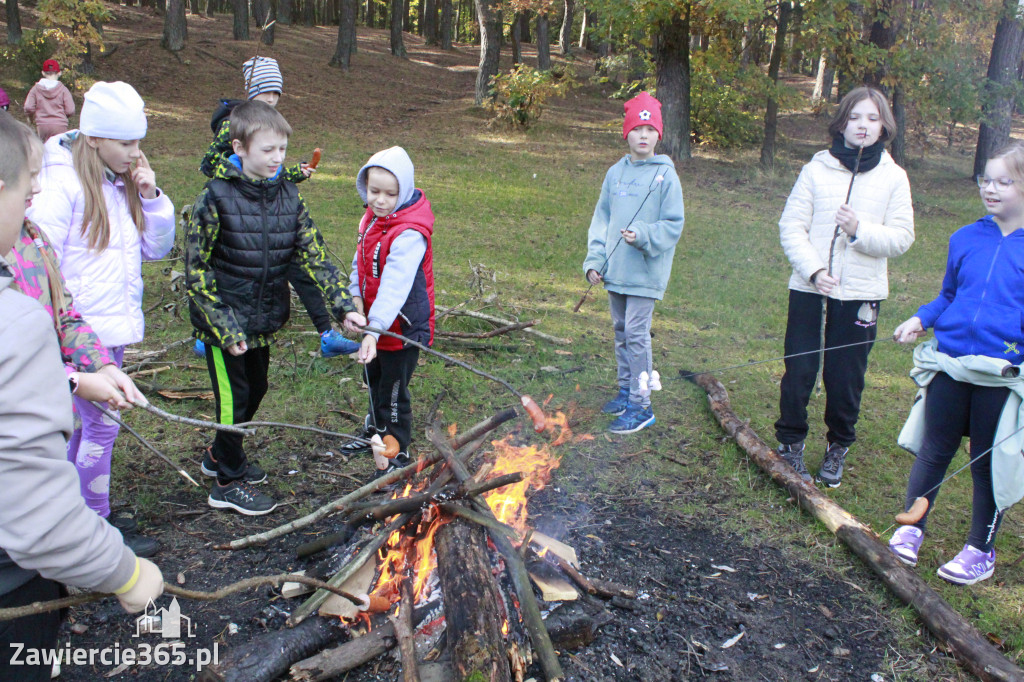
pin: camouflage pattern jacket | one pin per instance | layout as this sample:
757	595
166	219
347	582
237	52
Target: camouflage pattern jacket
240	240
220	150
79	345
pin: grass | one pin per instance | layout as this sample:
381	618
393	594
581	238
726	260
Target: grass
512	212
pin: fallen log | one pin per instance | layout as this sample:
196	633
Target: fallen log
331	663
268	656
472	604
405	634
968	645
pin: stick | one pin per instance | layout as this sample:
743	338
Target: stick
147	444
320	596
38	607
402	622
968	645
497	320
461	440
486	335
228	428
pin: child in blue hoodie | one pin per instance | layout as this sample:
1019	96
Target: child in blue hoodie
970	381
630	246
392	282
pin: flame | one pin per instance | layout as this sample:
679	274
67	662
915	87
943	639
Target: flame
504	628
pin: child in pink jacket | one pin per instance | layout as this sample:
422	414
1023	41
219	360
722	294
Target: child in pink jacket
49	102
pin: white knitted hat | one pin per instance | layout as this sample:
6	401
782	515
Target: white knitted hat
262	74
113	110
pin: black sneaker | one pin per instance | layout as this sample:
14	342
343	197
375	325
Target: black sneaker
143	546
355	447
793	453
253	474
831	472
399	461
242	497
125	524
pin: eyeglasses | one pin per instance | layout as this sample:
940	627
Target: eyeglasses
1002	184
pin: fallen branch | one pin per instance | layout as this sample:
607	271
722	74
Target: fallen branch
330	664
497	320
466	437
969	646
38	607
228	428
402	623
150	354
146	443
269	654
487	335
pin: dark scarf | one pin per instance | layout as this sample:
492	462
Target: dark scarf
848	157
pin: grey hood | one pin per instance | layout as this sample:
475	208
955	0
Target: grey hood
396	161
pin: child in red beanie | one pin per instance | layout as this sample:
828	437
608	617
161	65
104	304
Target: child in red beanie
630	246
49	102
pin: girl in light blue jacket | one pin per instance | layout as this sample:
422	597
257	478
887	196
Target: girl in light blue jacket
630	247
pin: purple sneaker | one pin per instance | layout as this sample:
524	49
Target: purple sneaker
905	543
971	565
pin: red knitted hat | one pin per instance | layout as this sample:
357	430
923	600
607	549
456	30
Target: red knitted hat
51	66
642	110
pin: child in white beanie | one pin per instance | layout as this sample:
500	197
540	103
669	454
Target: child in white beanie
103	215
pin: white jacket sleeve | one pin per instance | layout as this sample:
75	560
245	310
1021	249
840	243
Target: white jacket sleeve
53	209
795	227
894	236
158	237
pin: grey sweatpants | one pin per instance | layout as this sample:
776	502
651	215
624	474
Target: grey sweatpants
631	319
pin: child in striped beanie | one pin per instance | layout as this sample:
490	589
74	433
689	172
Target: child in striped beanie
263	80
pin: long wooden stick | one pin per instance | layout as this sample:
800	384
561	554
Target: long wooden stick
227	428
38	607
486	335
501	321
147	444
969	646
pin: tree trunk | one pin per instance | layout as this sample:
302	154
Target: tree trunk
543	43
823	79
397	19
175	28
489	48
13	22
284	12
517	39
446	24
898	146
267	36
524	26
346	35
672	72
407	17
796	48
565	35
998	89
430	34
472	606
370	14
771	113
588	21
240	26
260	12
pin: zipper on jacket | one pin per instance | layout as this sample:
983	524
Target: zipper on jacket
984	292
266	253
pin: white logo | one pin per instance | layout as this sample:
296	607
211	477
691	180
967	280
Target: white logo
166	622
644	115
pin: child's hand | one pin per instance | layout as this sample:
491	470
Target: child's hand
99	389
237	349
144	177
628	236
306	169
594	277
367	349
357	301
124	383
909	331
823	282
354	322
846	219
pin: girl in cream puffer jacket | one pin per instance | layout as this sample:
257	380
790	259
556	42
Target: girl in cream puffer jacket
839	251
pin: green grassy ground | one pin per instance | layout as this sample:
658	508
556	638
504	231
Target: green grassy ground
513	209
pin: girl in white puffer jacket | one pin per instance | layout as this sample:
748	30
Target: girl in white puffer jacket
839	249
103	214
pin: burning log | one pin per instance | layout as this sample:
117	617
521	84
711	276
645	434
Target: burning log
969	646
402	623
472	604
267	656
331	663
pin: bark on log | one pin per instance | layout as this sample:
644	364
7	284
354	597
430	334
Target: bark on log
472	604
267	656
331	663
968	645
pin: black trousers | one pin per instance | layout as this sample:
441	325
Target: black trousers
389	374
846	322
239	384
954	409
33	632
310	295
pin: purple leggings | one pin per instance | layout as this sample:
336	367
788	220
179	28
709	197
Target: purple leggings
90	449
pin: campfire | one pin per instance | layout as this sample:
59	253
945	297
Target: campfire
446	567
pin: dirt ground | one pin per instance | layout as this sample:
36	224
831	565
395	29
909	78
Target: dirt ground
699	588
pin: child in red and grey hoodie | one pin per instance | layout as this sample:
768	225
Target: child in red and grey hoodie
49	102
392	283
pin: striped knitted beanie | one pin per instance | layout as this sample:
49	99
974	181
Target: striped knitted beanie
262	74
